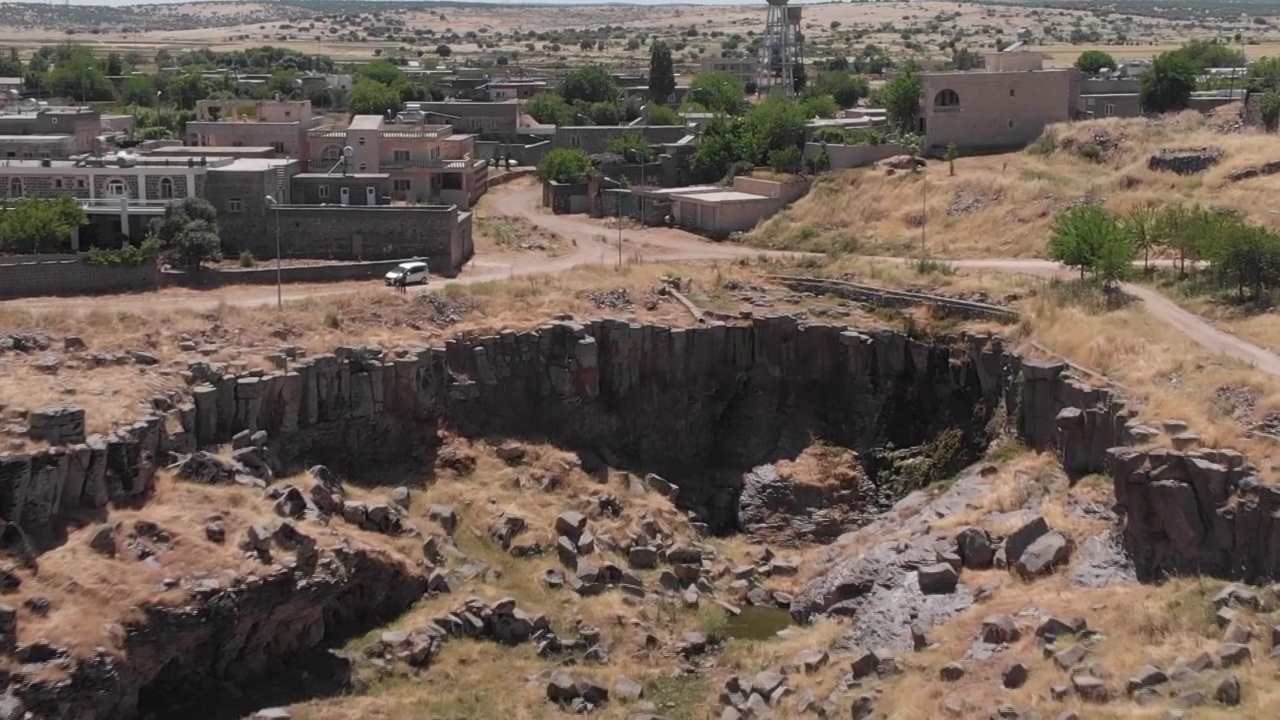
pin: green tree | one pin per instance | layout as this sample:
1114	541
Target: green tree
78	75
717	92
383	71
370	97
663	115
550	109
845	88
37	225
1082	236
444	50
632	147
1168	83
776	123
785	160
563	166
1269	108
188	231
604	113
10	63
1092	62
952	153
187	89
1211	54
590	84
718	149
900	97
139	90
820	106
662	75
1142	229
115	64
1264	74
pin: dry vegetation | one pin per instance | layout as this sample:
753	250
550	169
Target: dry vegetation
1004	205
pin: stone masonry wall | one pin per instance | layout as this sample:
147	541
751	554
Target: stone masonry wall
680	401
72	277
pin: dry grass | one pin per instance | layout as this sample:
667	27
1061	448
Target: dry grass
1004	205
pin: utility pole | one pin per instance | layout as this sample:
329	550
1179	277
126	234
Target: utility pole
618	214
924	211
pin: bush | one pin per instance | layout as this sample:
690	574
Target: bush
563	166
247	260
128	256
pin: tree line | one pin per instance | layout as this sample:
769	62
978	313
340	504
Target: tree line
1224	248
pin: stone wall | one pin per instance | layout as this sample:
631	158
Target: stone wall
265	274
843	157
36	277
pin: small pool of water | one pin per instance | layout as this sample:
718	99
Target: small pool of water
758	623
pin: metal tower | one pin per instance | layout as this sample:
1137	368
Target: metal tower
781	51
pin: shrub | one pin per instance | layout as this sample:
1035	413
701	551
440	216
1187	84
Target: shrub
247	260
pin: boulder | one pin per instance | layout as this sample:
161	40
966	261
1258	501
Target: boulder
997	629
445	516
975	548
561	688
1228	692
951	672
938	579
571	524
1014	676
510	451
1021	539
1090	688
1043	555
627	690
103	540
1231	654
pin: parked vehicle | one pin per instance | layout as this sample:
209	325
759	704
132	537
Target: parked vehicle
415	273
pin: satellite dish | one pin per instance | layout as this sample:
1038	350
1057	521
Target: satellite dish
29	104
348	152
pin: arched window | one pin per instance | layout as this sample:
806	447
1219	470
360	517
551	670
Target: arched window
166	188
116	188
15	187
946	98
331	154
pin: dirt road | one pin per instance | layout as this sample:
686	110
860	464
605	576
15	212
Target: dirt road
597	244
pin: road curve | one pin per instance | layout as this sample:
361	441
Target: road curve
595	244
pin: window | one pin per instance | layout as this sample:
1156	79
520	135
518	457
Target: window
1110	109
363	167
1010	123
15	187
401	185
288	113
80	183
1012	93
166	188
946	98
237	143
400	156
116	188
575	141
57	183
360	140
278	147
235	205
331	154
323	192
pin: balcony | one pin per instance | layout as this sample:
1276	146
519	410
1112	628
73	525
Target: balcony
946	109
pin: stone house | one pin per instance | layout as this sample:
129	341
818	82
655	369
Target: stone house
425	163
279	124
488	120
997	109
746	69
594	139
37	147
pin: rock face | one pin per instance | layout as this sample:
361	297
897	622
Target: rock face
680	400
1186	161
229	635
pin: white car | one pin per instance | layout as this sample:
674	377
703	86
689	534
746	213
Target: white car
414	273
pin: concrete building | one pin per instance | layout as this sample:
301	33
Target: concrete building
996	109
718	211
745	69
504	90
121	194
37	147
280	124
10	84
488	120
82	123
426	163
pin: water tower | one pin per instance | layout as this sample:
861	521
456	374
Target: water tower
781	52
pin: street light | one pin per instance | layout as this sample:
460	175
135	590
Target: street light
279	285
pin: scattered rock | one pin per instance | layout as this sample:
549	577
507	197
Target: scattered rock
1043	555
1231	654
1090	688
1014	676
975	548
103	540
1228	692
951	672
511	451
997	629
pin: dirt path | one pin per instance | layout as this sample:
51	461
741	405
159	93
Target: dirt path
597	244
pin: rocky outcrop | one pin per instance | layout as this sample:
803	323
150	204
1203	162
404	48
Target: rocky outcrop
225	635
1186	161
